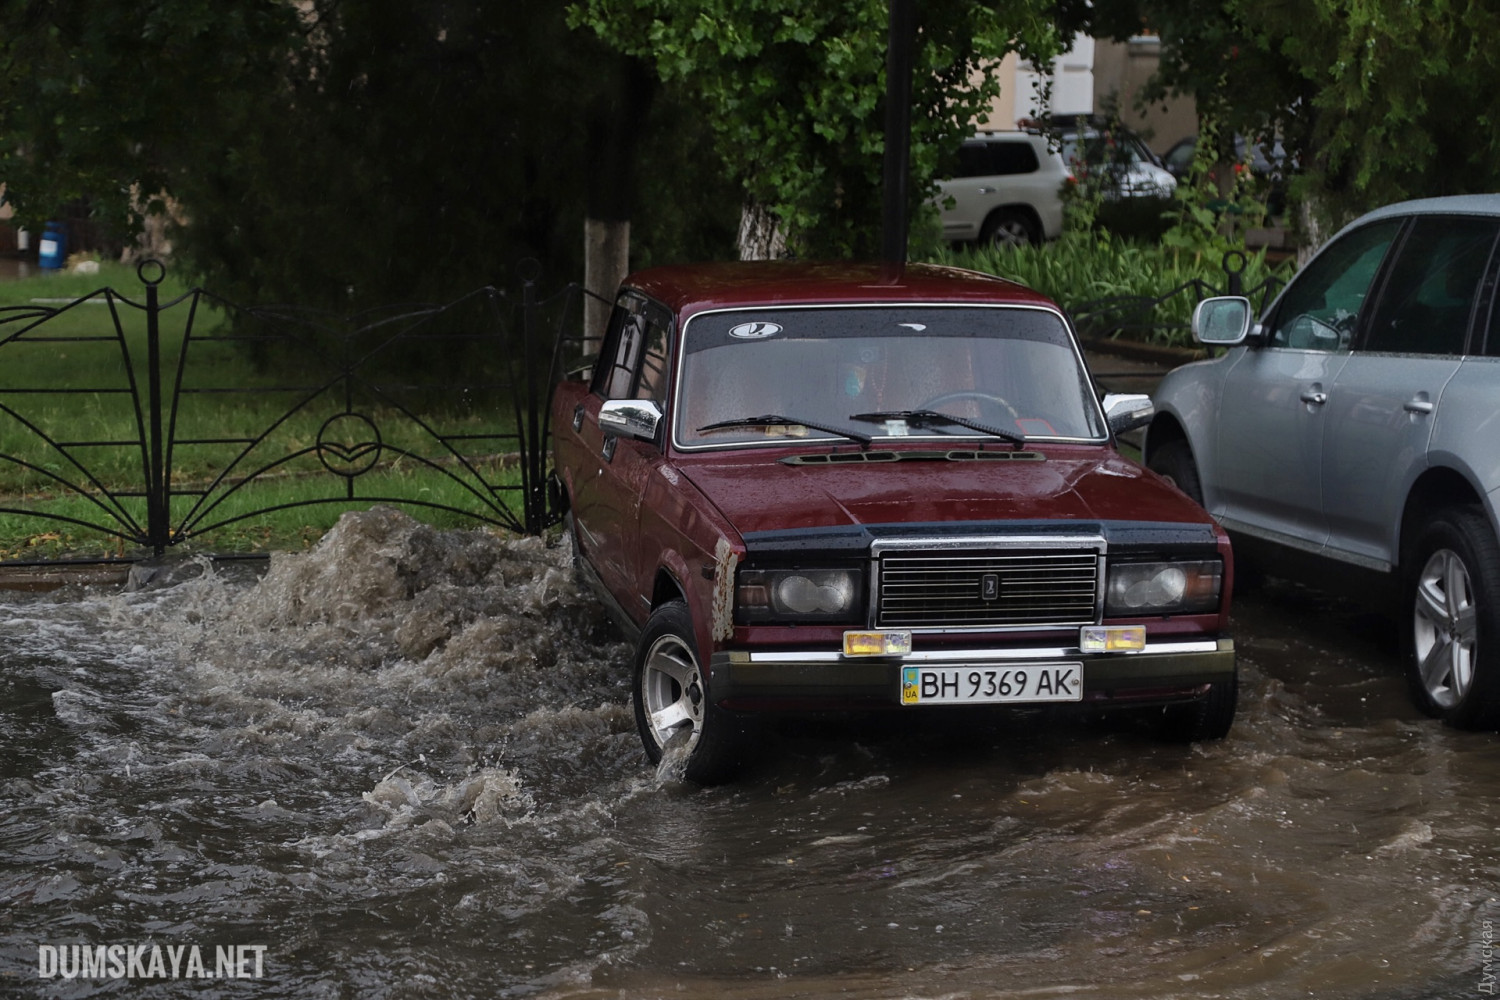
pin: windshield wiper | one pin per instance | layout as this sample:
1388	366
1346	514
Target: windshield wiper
925	418
777	420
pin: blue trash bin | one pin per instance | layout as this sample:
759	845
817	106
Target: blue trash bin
52	250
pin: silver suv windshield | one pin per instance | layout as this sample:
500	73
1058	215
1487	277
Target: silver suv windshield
1008	368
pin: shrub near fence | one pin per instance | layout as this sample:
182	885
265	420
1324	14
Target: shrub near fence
1116	289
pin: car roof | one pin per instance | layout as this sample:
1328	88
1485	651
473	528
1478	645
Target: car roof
1461	204
692	288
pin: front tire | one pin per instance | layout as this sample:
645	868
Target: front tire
1174	461
672	709
1451	596
1010	227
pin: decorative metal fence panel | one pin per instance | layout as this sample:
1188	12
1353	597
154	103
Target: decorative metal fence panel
1141	316
155	422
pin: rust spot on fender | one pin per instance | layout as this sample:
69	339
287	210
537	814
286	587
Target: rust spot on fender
725	561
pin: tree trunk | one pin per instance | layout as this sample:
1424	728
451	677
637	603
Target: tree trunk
1312	230
760	236
614	121
606	261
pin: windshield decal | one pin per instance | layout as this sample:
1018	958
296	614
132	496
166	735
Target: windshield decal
755	331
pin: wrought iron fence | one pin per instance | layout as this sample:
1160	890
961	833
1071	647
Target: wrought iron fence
187	436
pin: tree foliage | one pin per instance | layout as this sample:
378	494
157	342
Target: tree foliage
100	99
794	93
1379	100
336	154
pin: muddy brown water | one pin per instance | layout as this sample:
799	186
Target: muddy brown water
403	765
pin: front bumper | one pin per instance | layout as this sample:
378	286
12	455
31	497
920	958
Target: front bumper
750	680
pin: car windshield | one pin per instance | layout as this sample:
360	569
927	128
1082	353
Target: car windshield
1007	368
1099	148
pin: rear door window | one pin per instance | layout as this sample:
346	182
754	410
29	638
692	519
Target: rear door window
1429	298
999	158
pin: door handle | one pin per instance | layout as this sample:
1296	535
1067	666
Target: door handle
578	418
986	190
608	450
1419	405
1315	397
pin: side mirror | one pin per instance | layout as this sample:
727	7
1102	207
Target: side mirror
1223	321
583	371
1127	411
632	418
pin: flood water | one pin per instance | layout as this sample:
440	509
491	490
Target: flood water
404	765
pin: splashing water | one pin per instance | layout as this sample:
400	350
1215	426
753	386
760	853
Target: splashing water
405	763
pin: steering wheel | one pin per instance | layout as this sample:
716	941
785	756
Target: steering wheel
976	394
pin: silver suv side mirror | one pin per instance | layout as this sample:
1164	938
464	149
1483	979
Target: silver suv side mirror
1223	321
632	418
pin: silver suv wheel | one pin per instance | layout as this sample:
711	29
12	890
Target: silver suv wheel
1451	588
1443	628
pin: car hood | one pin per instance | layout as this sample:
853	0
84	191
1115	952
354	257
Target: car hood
1095	485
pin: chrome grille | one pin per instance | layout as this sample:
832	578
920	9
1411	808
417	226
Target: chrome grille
988	589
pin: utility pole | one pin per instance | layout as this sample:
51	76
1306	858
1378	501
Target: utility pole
898	62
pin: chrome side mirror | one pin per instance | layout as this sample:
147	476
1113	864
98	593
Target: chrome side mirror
632	418
1223	321
1127	411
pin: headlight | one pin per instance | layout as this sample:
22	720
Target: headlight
785	595
1163	588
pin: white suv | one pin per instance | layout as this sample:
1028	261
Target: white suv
1008	190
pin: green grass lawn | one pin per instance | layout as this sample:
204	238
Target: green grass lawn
72	422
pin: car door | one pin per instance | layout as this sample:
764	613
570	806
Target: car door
607	497
1384	402
1269	454
1466	428
994	172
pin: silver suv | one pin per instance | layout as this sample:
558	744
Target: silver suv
1356	428
1008	190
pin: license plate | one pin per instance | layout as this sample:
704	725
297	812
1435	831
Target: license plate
991	685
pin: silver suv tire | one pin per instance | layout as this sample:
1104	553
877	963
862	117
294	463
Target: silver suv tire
1451	608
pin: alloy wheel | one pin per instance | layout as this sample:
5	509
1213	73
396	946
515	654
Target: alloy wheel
672	691
1011	233
1444	628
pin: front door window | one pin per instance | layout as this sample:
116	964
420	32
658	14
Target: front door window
1321	309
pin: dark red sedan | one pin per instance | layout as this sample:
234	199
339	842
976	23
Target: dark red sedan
804	486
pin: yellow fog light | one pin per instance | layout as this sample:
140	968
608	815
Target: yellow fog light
877	643
1112	638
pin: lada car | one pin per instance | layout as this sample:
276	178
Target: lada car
804	487
1346	438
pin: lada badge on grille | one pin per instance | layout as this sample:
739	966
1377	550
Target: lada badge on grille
989	587
897	643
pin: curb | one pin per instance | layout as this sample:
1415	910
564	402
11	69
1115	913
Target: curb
136	574
42	578
1136	351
